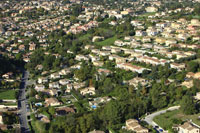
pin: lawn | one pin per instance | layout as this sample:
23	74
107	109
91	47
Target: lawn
167	120
8	94
85	37
107	42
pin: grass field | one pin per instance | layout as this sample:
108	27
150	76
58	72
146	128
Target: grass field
8	94
85	37
107	42
167	120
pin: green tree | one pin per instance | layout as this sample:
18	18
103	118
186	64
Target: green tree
51	110
188	105
192	66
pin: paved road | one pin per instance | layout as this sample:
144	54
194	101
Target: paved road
149	118
22	104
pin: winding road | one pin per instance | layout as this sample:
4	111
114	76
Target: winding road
22	104
149	118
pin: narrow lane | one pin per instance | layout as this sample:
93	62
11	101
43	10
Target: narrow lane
22	104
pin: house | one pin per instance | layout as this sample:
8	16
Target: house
3	127
190	75
115	50
39	67
197	96
55	76
197	75
118	43
187	127
93	57
195	22
104	71
52	92
7	75
170	41
42	80
88	90
45	119
104	53
96	131
136	81
177	66
151	9
128	66
89	47
64	71
120	60
32	46
64	81
64	110
1	118
54	85
81	57
134	125
39	87
52	102
152	32
98	63
107	48
97	38
78	85
160	40
188	83
99	100
140	33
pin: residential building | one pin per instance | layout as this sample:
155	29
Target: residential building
187	127
134	125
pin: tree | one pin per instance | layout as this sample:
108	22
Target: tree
188	105
40	126
51	110
192	66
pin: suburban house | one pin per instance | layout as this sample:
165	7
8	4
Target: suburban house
52	102
134	125
39	87
136	81
151	9
88	90
96	131
64	110
54	85
177	66
128	66
64	71
188	83
54	76
197	96
1	118
98	63
42	80
52	92
187	127
99	100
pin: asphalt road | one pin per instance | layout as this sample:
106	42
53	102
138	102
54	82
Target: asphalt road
149	118
22	104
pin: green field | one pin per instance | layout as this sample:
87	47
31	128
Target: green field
8	94
107	42
170	118
85	37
